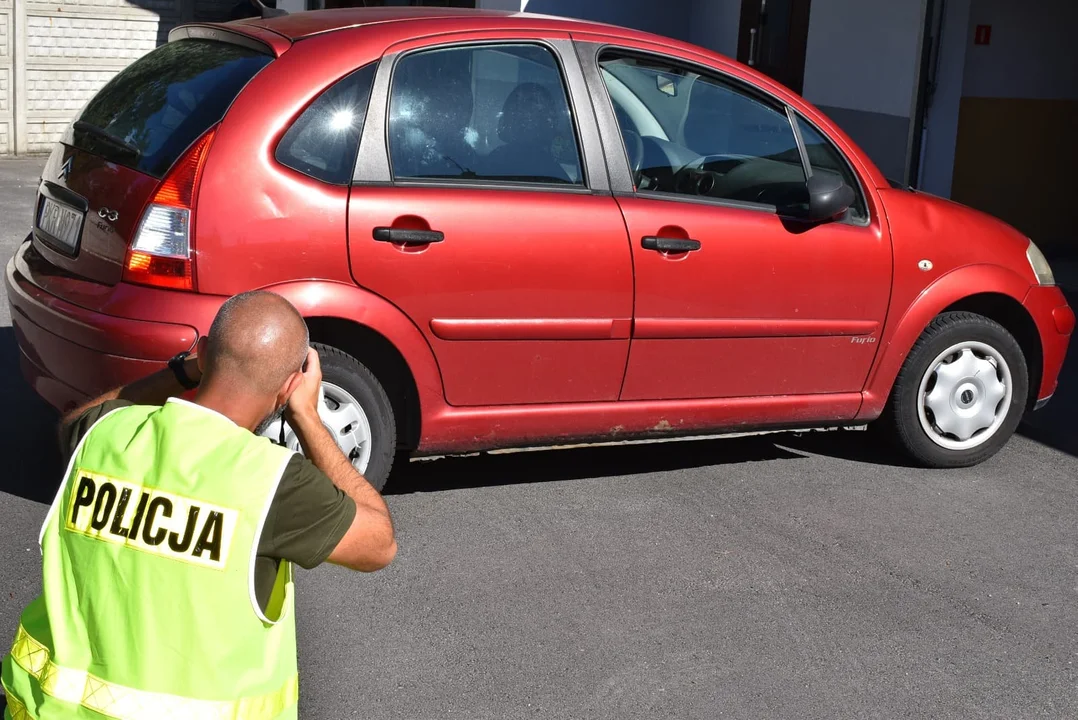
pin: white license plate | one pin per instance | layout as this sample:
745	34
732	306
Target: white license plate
62	223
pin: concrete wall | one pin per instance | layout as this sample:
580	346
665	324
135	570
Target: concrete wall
54	57
7	80
860	69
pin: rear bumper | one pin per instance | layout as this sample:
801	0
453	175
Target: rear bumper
1055	324
69	353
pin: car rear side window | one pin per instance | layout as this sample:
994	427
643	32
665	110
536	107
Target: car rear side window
324	140
485	113
152	111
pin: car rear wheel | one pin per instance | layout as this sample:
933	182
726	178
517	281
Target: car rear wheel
356	411
960	394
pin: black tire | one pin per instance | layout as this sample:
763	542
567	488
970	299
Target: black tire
346	372
901	418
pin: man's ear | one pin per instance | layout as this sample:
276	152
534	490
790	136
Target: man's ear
289	387
200	353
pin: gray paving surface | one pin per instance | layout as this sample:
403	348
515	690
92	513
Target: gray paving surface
795	577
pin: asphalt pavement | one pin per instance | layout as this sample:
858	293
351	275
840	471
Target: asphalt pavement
782	576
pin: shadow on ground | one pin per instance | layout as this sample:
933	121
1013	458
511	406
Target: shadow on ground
487	470
1057	424
494	469
27	432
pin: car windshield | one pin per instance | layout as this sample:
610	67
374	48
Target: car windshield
153	110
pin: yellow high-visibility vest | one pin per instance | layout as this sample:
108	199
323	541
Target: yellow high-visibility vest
148	607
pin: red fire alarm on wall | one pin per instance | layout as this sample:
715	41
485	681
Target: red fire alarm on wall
982	35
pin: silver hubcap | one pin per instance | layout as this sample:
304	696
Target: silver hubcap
965	396
343	416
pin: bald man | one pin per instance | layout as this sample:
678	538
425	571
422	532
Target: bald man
167	554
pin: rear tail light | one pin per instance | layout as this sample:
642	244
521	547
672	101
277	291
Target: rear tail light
160	254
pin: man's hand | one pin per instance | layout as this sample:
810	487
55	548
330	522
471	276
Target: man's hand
369	544
303	402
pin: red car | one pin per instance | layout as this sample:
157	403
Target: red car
510	230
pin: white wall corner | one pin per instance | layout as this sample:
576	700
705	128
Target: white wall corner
941	121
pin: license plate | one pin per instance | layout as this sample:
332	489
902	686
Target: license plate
61	223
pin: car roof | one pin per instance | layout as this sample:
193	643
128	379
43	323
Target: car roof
301	25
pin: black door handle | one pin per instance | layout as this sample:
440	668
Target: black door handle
670	245
407	237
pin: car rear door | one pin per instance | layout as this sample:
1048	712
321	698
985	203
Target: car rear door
733	300
481	208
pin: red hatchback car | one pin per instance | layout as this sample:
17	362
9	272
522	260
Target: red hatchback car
511	230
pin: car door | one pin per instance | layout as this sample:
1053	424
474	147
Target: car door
733	299
481	208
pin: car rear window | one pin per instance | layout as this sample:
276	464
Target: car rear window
148	114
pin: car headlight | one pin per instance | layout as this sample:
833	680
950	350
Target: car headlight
1040	265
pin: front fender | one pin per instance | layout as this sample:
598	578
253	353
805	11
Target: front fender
320	298
907	320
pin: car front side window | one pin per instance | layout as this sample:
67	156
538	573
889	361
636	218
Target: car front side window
487	113
720	142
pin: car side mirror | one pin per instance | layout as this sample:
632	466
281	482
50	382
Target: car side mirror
828	196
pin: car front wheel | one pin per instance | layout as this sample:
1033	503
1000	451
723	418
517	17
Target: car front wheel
961	393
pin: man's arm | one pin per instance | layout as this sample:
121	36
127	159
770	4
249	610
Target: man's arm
369	544
153	389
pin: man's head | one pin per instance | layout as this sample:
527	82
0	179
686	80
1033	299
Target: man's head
252	357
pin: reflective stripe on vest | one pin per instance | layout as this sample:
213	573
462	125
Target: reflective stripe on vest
15	707
124	703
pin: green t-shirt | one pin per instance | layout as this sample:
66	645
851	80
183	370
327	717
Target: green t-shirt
307	517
